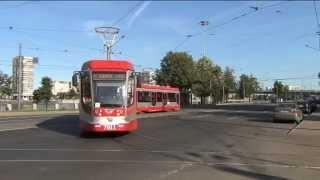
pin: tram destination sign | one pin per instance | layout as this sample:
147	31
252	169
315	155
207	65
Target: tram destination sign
109	76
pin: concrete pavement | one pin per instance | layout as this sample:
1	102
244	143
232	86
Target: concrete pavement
187	145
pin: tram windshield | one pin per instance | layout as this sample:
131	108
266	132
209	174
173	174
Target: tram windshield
109	90
109	93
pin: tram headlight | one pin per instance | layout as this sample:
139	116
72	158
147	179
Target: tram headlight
98	112
119	112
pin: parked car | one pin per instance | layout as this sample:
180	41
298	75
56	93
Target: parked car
312	103
317	99
304	106
288	112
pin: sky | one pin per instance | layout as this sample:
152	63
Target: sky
269	43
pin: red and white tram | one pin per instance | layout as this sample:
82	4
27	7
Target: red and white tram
110	99
107	96
155	98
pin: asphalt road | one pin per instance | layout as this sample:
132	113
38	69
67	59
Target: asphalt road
193	144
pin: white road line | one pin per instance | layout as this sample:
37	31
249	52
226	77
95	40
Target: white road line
158	162
100	150
263	165
18	128
21	120
233	118
145	151
15	117
175	171
200	116
232	111
20	117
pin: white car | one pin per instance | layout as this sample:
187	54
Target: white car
287	112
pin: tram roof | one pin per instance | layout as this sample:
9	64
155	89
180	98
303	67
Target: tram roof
158	87
103	64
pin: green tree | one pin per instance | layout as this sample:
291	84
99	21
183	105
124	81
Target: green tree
176	69
5	83
229	81
61	95
44	93
280	89
204	75
36	96
247	86
216	84
207	80
72	94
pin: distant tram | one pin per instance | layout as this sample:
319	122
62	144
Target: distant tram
155	98
110	97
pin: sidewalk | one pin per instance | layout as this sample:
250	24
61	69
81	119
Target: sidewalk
35	113
310	126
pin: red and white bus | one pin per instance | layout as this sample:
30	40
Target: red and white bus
107	96
155	98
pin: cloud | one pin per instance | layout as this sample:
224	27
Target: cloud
137	13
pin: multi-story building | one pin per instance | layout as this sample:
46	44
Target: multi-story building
147	76
295	88
61	87
25	65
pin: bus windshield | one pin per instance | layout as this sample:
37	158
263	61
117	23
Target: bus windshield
109	93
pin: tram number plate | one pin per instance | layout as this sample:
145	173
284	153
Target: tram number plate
111	126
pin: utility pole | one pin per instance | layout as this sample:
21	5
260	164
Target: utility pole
277	92
210	100
244	89
19	76
108	51
204	23
223	90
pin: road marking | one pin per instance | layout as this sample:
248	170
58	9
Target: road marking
233	118
21	120
175	171
263	165
232	111
15	117
18	128
101	150
199	163
200	116
145	151
20	117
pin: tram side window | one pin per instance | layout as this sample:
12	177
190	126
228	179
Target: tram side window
159	97
172	97
86	92
165	98
153	98
144	96
130	91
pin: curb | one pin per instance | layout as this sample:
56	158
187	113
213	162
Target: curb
19	114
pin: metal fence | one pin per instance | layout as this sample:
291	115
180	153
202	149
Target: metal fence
11	105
